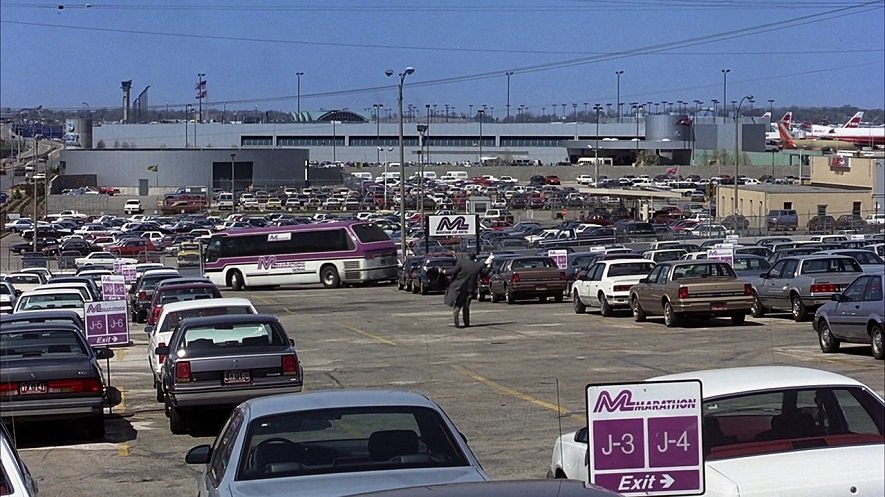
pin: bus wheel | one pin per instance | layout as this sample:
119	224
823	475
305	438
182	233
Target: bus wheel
236	281
329	276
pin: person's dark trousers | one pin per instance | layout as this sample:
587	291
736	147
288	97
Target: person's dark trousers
465	311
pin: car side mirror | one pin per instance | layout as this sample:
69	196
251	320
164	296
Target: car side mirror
149	329
162	350
764	276
292	342
581	435
198	455
643	280
103	353
837	297
18	292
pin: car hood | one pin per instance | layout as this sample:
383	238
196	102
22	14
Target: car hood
810	473
341	484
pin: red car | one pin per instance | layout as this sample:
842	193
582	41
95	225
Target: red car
178	293
132	247
108	190
552	180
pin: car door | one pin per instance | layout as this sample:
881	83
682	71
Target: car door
593	281
770	290
646	289
873	303
848	319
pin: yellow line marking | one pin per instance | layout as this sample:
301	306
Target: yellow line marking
119	354
514	393
288	311
370	335
263	300
123	449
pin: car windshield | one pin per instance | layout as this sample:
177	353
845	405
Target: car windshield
345	440
230	336
173	318
631	269
537	263
183	294
703	271
775	421
840	265
26	279
440	263
51	301
64	343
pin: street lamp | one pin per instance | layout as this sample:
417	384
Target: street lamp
378	108
597	108
618	73
737	113
422	130
771	119
481	113
298	75
34	156
402	159
187	116
509	73
232	173
725	93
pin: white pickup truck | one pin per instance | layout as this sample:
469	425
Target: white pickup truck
606	284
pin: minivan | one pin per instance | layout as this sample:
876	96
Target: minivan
783	219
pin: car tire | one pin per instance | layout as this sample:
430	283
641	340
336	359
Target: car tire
638	314
828	342
542	299
580	308
738	319
161	397
494	297
423	288
671	317
329	277
800	313
604	308
95	427
558	298
414	288
876	340
757	310
236	281
509	297
482	297
399	285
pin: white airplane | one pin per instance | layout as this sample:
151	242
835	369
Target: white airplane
774	135
821	131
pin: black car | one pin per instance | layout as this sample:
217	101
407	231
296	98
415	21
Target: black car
142	292
406	272
42	243
49	373
538	180
47	316
70	245
429	276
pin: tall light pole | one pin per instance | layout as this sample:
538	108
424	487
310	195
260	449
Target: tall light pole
298	105
232	174
597	108
771	119
402	159
481	113
508	73
422	130
201	91
187	115
737	156
725	94
378	128
618	107
35	156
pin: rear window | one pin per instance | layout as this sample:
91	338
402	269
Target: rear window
841	265
26	279
39	343
173	318
540	262
51	301
703	271
440	263
370	232
749	264
231	336
151	282
632	269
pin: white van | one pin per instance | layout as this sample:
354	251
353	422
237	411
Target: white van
455	175
364	175
225	201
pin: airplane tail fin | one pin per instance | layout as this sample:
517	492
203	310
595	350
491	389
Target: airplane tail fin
854	122
787	140
767	115
788	120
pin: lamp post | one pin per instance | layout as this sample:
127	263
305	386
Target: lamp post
402	159
771	119
737	161
508	74
596	108
378	108
298	105
422	130
35	156
481	113
334	142
200	93
618	107
187	116
232	173
725	94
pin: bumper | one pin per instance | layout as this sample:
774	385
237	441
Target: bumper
47	409
725	306
618	299
539	288
226	397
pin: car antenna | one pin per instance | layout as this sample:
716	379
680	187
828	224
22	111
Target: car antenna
559	419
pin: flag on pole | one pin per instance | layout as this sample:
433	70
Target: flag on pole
154	168
201	89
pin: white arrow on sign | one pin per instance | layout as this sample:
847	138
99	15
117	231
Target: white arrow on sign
667	480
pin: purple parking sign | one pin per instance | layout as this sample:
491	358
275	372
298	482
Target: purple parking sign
107	323
645	438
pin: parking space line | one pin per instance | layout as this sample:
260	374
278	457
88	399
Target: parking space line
123	449
512	392
370	335
263	300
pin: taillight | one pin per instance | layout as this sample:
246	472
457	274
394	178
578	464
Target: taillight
76	385
8	388
562	276
485	280
683	292
155	314
748	289
183	371
825	288
290	364
142	295
622	288
515	278
161	357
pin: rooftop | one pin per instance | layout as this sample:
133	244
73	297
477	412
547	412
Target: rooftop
799	189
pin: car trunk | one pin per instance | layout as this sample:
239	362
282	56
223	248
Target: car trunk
37	377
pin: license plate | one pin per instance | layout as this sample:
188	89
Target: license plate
540	287
718	307
32	388
233	377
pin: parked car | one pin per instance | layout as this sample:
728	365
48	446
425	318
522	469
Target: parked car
170	317
607	284
49	373
782	219
821	224
293	445
406	273
66	298
664	255
16	479
736	222
856	315
137	248
8	297
48	316
703	288
178	290
748	267
42	243
499	488
851	222
429	276
492	266
868	260
133	206
802	284
23	282
101	258
772	431
80	246
19	225
528	277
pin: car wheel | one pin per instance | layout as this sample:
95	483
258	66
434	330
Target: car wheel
542	299
236	281
738	319
329	277
95	427
638	314
160	396
414	288
482	297
828	342
557	298
800	313
876	340
758	310
509	297
494	297
177	421
399	285
671	317
580	308
604	308
423	288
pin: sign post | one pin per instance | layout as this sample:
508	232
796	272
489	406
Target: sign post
646	438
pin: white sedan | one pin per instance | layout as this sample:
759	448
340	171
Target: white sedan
774	431
606	284
101	258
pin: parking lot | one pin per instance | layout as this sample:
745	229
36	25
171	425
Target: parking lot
503	381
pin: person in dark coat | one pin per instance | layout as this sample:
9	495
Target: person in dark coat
462	288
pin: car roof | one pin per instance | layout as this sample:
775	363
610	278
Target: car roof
42	315
230	319
730	381
331	399
46	290
187	305
25	326
626	260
